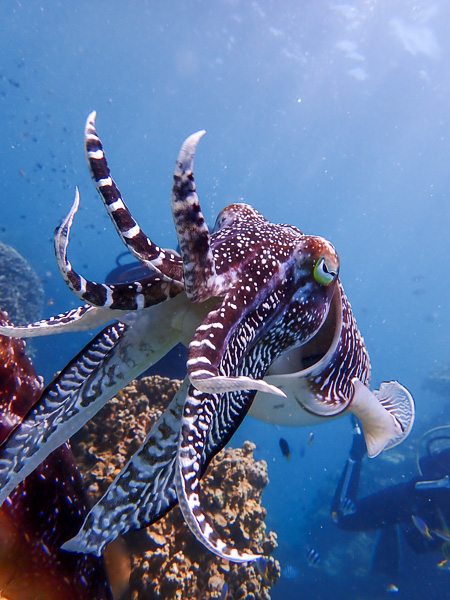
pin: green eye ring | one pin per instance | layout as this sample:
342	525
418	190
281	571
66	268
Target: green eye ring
322	273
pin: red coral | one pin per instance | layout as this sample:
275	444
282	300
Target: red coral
19	385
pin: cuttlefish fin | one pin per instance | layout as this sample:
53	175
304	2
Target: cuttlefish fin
386	415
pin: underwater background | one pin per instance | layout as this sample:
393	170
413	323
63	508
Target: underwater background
330	116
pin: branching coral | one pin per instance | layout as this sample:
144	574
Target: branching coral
167	561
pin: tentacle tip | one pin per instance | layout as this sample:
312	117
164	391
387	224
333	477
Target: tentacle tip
78	545
190	144
76	202
198	134
91	118
276	391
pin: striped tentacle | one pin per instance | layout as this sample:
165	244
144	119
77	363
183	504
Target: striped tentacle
166	263
145	488
82	318
121	296
210	419
142	492
63	408
198	414
232	329
192	230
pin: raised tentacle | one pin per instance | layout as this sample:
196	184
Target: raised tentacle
121	296
192	230
166	263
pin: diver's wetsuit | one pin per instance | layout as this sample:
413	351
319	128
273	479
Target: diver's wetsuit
426	497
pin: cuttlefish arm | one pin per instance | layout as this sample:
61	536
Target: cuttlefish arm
110	361
192	231
127	297
142	492
82	318
203	412
166	263
58	413
145	489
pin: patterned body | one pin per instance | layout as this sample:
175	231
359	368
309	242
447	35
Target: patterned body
332	383
240	297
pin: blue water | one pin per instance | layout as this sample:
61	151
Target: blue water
330	116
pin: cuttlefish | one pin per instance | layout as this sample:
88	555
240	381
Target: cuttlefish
239	297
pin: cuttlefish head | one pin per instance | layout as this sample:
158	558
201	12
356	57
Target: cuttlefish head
316	283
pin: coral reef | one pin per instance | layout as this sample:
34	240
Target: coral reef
20	387
21	291
167	561
45	510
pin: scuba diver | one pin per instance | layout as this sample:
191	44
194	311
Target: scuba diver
420	507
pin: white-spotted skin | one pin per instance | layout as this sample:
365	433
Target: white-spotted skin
255	285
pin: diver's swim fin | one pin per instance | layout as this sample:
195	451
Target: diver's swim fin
443	483
386	556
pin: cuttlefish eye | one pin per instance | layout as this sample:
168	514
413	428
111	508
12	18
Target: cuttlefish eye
324	273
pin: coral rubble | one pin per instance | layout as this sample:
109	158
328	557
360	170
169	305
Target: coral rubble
167	561
21	291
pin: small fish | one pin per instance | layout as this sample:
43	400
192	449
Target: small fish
311	438
347	507
421	526
392	589
313	558
444	565
285	450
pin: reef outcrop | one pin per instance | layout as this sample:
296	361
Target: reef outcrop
21	291
167	562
